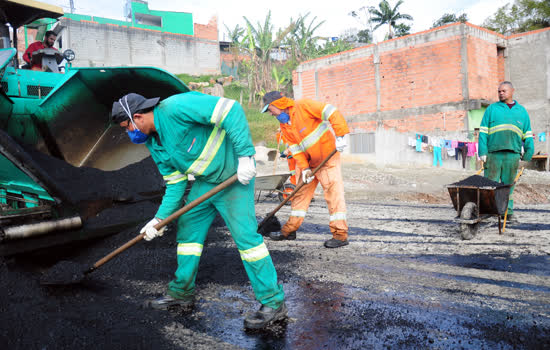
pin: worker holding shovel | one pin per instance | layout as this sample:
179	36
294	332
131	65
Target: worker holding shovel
207	137
304	124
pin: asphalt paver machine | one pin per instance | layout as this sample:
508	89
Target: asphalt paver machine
66	174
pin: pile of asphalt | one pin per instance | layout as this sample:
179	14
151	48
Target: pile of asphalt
477	181
79	184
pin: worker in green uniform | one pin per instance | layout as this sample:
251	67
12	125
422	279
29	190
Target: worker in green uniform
207	137
504	133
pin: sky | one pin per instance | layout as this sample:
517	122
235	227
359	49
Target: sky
336	15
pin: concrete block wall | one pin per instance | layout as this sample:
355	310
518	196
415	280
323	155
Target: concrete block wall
528	68
98	44
423	83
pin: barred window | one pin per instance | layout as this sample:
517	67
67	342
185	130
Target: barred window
362	143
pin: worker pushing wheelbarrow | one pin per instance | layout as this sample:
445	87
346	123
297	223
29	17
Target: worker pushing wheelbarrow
477	198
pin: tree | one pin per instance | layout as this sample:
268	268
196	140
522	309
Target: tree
521	16
450	18
364	36
235	34
402	29
384	14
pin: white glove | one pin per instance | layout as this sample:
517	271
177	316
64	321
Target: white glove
150	230
246	170
483	158
340	143
307	176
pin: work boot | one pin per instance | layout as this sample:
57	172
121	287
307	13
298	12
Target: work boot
278	236
335	243
167	301
265	316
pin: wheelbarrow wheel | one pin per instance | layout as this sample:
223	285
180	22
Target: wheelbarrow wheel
287	189
469	212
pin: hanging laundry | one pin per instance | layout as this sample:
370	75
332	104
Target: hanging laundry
542	137
424	139
419	144
437	156
454	144
451	152
448	144
471	149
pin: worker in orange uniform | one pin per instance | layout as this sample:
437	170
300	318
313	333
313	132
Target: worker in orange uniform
289	158
304	124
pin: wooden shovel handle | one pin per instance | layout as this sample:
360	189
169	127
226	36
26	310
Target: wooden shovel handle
168	220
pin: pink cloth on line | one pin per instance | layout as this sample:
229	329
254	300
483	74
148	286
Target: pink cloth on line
454	144
471	149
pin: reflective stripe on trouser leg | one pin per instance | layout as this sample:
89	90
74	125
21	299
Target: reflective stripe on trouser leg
330	177
503	167
236	206
299	205
192	230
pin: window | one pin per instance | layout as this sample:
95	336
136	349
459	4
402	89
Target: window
362	143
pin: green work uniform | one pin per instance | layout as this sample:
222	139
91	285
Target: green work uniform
502	134
204	135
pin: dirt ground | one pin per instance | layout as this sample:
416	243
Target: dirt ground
407	279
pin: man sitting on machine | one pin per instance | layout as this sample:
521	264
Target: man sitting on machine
35	52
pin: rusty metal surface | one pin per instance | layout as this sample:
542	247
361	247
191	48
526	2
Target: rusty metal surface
492	200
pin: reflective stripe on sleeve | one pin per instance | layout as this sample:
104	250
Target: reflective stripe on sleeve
298	213
254	254
528	134
174	178
314	136
338	216
221	111
208	153
190	249
484	129
327	111
296	148
293	172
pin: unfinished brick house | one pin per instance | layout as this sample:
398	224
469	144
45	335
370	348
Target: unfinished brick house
436	83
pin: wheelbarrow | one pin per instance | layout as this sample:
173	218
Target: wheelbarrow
476	199
273	186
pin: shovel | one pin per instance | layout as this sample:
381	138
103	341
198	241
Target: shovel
67	272
269	223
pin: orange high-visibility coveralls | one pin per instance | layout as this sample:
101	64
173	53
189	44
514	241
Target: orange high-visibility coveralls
311	141
289	158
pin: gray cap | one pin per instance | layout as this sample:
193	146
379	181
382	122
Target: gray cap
130	104
269	98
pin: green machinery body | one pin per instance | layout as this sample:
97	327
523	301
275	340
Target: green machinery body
46	118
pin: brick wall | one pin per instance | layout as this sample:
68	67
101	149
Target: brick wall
483	69
207	31
351	86
423	75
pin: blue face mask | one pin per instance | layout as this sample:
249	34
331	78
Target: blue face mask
136	136
283	118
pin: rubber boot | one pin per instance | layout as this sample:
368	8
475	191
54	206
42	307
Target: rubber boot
279	236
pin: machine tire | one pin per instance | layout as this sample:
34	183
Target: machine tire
287	189
469	212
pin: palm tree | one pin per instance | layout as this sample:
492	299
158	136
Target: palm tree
386	15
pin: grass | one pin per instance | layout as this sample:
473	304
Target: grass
263	126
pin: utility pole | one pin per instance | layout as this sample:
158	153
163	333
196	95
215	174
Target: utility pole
72	6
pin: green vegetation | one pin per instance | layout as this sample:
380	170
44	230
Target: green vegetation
521	16
450	18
